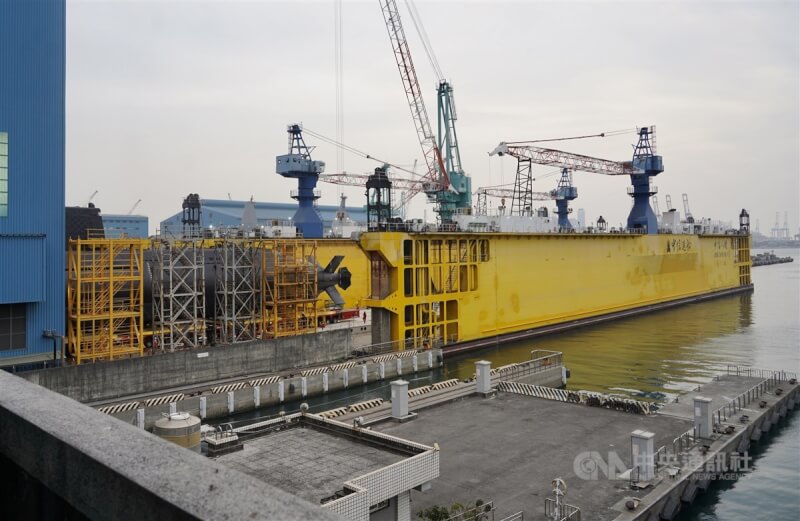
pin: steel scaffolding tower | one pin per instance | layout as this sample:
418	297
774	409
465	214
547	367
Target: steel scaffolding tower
235	295
105	298
522	201
288	287
179	294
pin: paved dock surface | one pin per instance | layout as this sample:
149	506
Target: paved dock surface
507	449
721	391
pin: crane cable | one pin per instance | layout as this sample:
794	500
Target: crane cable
423	36
357	152
339	80
601	134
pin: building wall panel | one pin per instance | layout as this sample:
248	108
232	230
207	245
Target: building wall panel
32	67
22	268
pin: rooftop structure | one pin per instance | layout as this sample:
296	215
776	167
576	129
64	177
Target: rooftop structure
349	470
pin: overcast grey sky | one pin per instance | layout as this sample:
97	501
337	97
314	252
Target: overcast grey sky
170	97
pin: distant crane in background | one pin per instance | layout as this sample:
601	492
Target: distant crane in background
134	207
445	182
644	165
502	192
654	202
91	197
686	210
669	203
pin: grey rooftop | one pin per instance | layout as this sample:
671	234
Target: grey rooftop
309	463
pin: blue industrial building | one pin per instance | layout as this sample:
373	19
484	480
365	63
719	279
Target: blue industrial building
119	225
218	213
32	278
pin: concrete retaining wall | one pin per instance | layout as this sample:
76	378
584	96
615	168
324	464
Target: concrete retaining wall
289	389
150	374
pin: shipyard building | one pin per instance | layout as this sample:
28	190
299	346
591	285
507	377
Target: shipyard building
32	61
223	213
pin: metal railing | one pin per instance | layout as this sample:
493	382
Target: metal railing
516	516
771	381
482	512
755	372
561	511
540	361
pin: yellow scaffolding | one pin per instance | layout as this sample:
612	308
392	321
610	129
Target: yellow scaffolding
105	298
288	287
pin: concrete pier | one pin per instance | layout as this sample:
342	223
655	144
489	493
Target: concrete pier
518	443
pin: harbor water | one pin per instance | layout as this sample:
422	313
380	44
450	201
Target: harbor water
659	356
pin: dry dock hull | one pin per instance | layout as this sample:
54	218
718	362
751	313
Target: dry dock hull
466	288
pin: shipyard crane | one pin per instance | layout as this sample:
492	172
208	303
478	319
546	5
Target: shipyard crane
445	183
134	207
91	197
503	193
644	165
689	217
349	179
562	195
669	203
654	202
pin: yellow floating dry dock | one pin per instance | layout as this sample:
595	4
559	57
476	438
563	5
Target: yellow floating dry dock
424	288
461	287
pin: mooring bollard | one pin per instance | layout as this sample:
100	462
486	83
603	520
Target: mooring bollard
483	381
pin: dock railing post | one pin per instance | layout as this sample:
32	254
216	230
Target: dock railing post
483	381
702	416
643	454
399	399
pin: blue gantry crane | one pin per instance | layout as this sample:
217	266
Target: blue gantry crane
297	164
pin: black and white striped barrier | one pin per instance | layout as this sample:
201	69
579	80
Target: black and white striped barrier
548	393
117	408
333	413
315	371
343	365
591	399
363	406
258	382
419	391
229	387
161	400
445	384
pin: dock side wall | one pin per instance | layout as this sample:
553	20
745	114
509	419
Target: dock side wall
150	374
